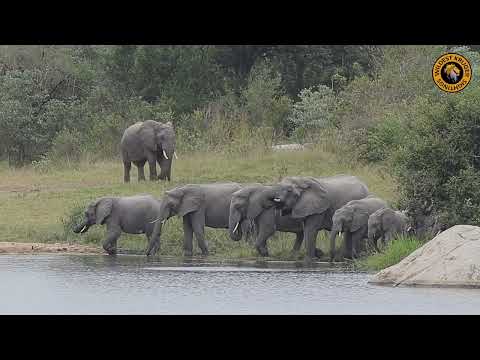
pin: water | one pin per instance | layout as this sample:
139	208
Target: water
79	284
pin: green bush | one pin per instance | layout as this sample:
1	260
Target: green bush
382	140
67	146
314	111
437	164
264	101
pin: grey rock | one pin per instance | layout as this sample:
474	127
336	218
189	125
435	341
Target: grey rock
451	259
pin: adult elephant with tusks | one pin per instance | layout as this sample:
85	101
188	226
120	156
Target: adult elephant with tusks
254	203
313	201
199	205
151	142
129	214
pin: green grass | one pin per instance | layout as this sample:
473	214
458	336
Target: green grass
41	206
393	253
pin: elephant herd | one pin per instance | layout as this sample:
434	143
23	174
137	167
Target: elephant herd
302	205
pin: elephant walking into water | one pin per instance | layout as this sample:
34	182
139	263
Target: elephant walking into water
352	220
151	142
313	201
255	203
131	214
199	206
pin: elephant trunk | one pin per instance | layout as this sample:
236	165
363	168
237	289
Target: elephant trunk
81	228
234	224
372	239
333	235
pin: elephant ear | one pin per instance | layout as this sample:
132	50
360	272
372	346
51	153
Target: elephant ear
191	199
376	219
146	132
313	199
359	219
103	210
257	203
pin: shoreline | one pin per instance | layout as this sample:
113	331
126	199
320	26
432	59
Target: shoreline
11	247
29	248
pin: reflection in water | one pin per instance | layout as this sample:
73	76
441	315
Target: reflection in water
71	284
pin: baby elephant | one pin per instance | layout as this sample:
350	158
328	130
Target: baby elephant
132	215
387	223
352	219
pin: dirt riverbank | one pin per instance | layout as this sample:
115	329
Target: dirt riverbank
38	248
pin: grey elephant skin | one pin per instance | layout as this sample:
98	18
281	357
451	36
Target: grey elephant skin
386	224
199	205
151	142
352	220
254	203
313	201
131	215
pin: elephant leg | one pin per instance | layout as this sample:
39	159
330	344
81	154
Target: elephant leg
187	236
127	165
312	226
355	244
110	243
141	173
359	243
375	242
153	238
165	168
298	242
198	225
265	231
347	245
152	164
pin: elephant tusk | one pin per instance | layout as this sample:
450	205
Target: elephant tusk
175	154
83	229
163	221
236	226
276	200
165	154
340	233
154	221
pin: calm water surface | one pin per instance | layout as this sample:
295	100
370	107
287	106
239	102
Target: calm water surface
79	284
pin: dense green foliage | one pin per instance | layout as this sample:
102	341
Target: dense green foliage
83	93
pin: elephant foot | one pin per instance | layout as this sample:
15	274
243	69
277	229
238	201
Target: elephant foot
111	251
152	251
205	253
263	252
308	260
318	253
188	253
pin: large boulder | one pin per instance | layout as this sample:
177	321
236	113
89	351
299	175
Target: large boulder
451	259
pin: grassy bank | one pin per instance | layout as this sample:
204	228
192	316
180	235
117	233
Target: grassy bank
393	253
40	206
